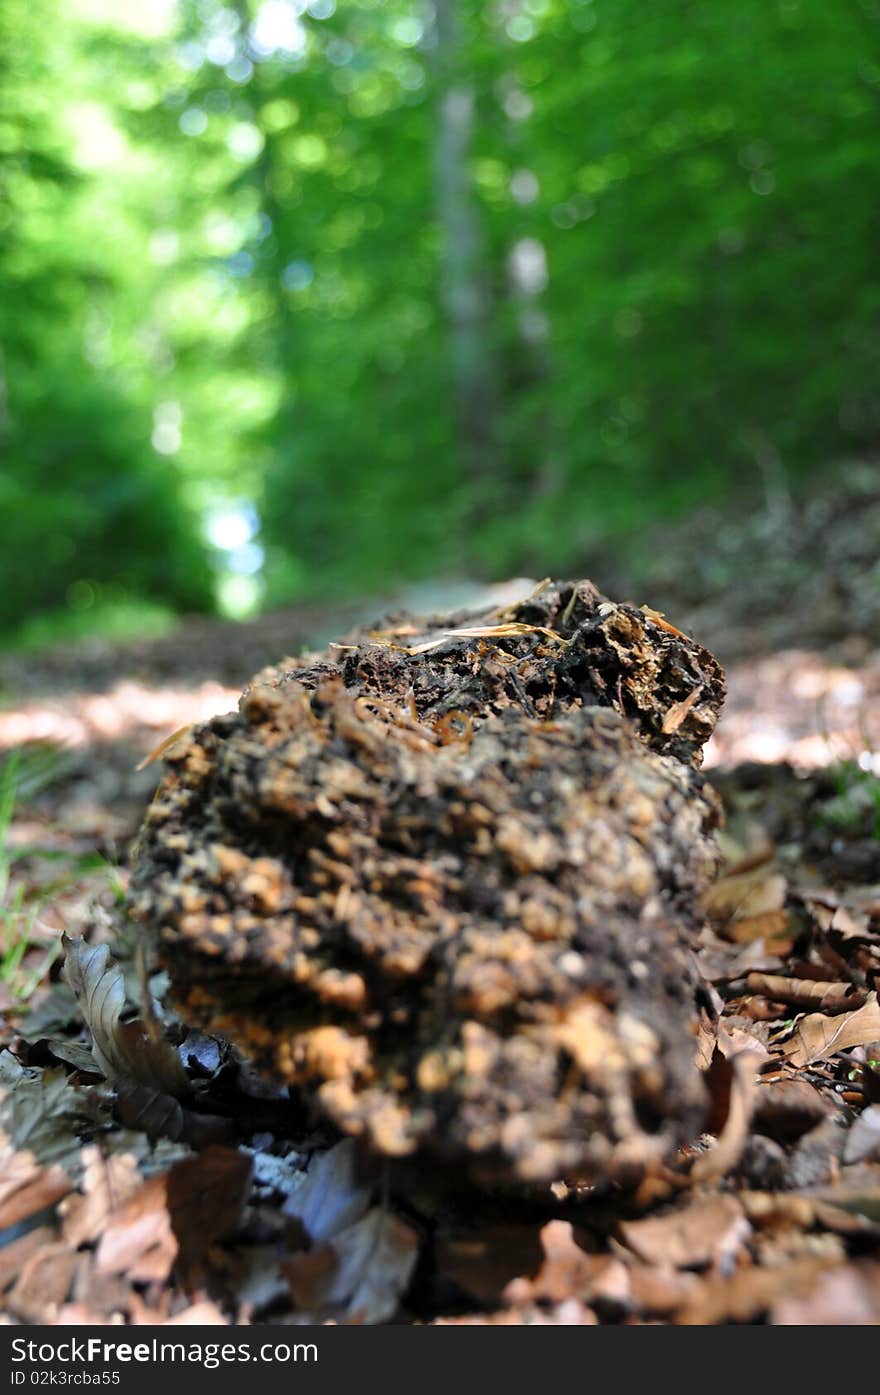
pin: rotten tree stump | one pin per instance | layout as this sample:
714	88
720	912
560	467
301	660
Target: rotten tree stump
443	881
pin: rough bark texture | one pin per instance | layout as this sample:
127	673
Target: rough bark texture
444	884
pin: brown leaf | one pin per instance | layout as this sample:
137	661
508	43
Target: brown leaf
705	1232
180	1213
159	1115
122	1050
746	895
817	1037
569	1272
201	1314
206	1196
361	1275
107	1183
139	1240
863	1139
41	1112
43	1283
832	997
732	1139
661	1289
786	1109
769	927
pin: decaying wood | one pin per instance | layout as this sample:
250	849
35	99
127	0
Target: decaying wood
443	880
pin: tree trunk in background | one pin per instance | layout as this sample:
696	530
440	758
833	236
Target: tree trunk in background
4	394
464	272
538	466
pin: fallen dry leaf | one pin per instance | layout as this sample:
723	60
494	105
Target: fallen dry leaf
42	1112
786	1109
726	1152
660	1290
107	1183
206	1196
745	895
331	1195
176	1216
770	928
359	1276
817	1037
863	1139
832	997
705	1232
360	1261
201	1314
16	1253
569	1272
44	1283
122	1050
138	1239
26	1188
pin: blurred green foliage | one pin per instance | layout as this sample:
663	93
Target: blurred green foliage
241	242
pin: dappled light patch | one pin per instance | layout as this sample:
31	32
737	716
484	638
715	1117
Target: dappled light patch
131	712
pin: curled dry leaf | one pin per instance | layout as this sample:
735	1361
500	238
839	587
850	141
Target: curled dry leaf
727	1151
122	1050
832	997
817	1037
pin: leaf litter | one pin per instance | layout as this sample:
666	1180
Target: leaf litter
772	1215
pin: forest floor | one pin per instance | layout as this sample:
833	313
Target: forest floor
110	1214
